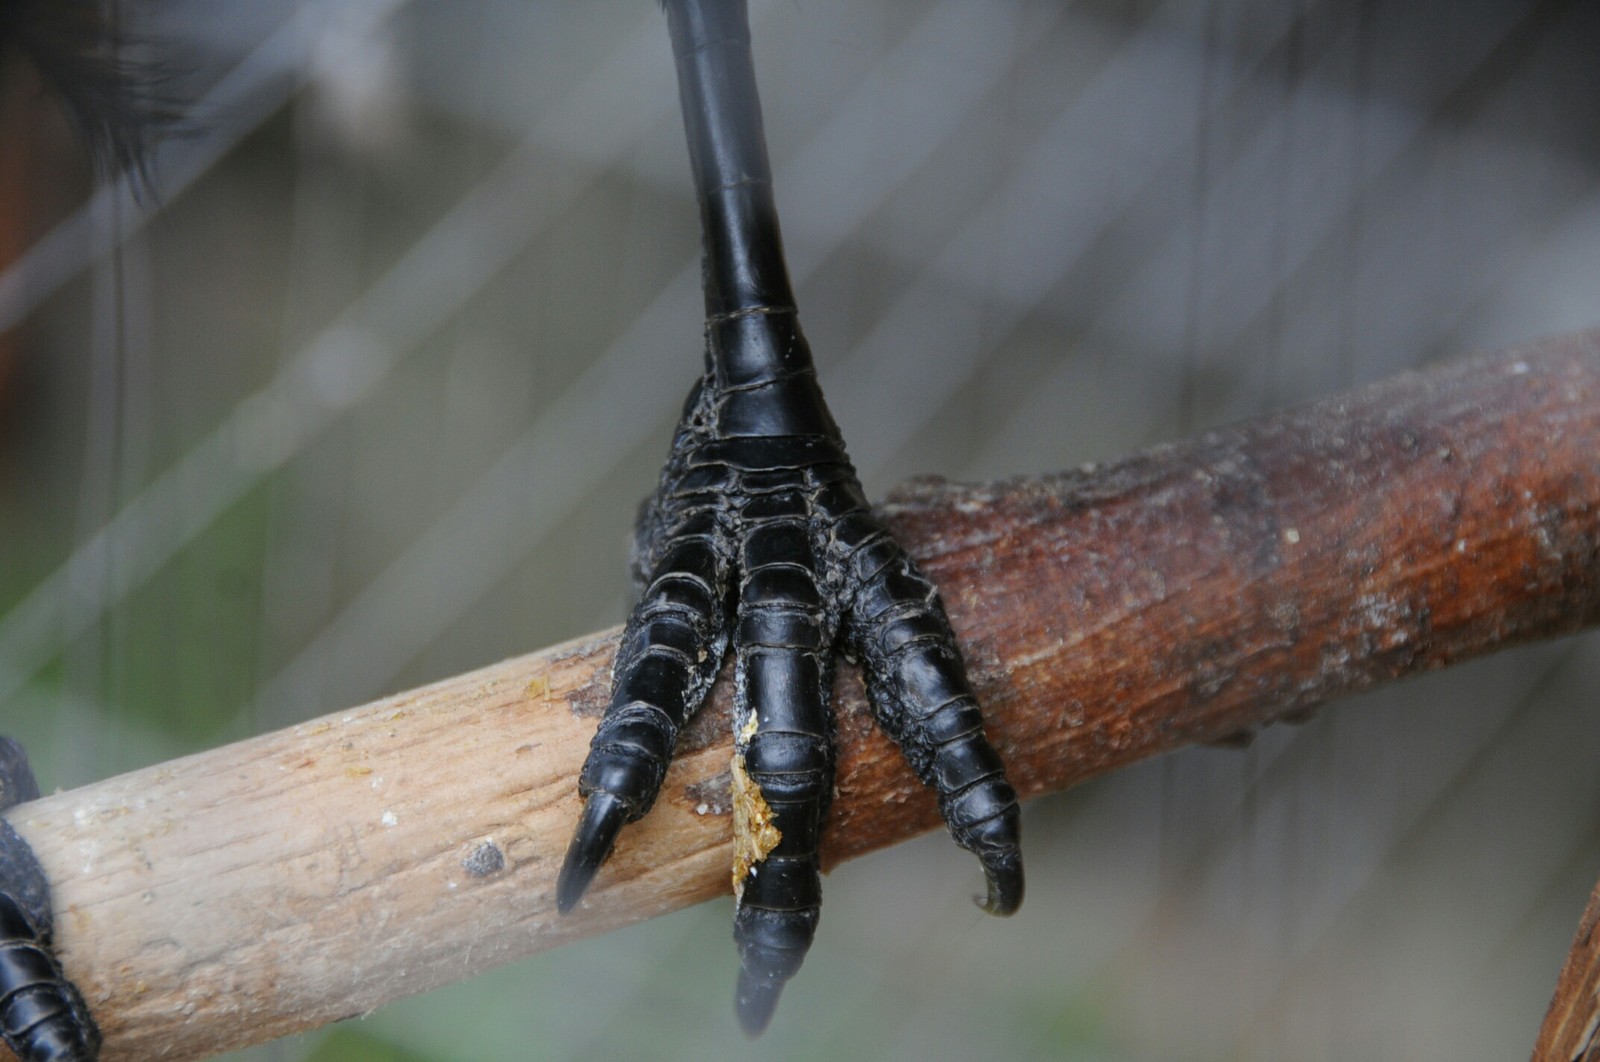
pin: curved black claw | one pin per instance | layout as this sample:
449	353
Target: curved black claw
921	698
759	535
670	652
603	816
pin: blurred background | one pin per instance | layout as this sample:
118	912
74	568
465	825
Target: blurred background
367	394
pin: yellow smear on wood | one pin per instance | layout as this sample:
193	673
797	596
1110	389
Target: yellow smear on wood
754	835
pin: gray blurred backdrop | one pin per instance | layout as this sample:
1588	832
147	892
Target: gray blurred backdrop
367	397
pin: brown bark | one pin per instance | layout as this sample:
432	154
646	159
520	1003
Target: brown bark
1571	1030
1186	594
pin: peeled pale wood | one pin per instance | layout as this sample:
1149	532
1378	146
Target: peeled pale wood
1183	595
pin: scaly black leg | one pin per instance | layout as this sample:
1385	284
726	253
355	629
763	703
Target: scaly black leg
43	1017
759	535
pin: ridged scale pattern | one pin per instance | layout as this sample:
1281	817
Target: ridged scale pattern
767	543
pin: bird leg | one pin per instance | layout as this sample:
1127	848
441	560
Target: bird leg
759	537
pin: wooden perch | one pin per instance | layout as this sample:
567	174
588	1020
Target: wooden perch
1571	1030
1187	594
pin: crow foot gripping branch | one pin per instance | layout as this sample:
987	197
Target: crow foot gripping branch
759	537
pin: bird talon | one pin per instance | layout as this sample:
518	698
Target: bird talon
760	536
1003	876
603	818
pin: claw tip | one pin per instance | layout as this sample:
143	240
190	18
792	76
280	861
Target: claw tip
755	1002
570	889
1003	875
597	830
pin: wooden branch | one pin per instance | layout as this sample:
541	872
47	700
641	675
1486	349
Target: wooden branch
1183	595
1571	1030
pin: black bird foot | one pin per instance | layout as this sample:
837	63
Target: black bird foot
766	541
43	1017
759	536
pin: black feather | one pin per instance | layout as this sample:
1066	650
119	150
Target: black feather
113	102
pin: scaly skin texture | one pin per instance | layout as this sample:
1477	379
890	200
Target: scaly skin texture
759	536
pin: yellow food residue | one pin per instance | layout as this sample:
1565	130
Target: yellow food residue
754	835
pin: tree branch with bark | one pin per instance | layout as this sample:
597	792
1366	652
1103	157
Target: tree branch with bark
1191	593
